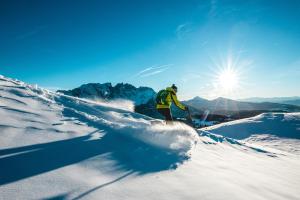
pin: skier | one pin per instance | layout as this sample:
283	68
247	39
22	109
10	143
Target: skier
164	101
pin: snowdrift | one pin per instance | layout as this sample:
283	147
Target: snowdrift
284	125
177	138
280	131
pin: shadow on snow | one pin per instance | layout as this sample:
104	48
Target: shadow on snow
129	154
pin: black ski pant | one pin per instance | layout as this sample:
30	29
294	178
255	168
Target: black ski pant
166	112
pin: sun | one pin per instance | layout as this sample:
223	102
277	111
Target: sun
228	75
228	79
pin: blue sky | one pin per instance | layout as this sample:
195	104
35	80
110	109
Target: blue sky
63	44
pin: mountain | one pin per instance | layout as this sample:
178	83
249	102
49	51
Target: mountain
288	100
225	106
106	91
55	146
293	102
197	102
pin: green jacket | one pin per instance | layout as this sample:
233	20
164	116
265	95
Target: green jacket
171	97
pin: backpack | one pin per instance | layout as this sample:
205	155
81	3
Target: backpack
161	97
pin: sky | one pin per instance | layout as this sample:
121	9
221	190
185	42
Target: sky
208	48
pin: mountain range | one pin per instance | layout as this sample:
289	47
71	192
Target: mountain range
224	104
286	100
144	101
106	91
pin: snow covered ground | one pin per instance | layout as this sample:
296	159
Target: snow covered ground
59	147
275	130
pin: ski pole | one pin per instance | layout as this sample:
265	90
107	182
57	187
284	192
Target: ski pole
189	115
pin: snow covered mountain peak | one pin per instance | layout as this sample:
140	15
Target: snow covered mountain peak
106	91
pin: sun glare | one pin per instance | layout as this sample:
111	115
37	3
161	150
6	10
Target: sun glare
228	76
228	79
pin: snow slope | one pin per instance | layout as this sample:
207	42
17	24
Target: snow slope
275	130
59	147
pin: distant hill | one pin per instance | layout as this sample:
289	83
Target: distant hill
225	106
286	100
293	102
